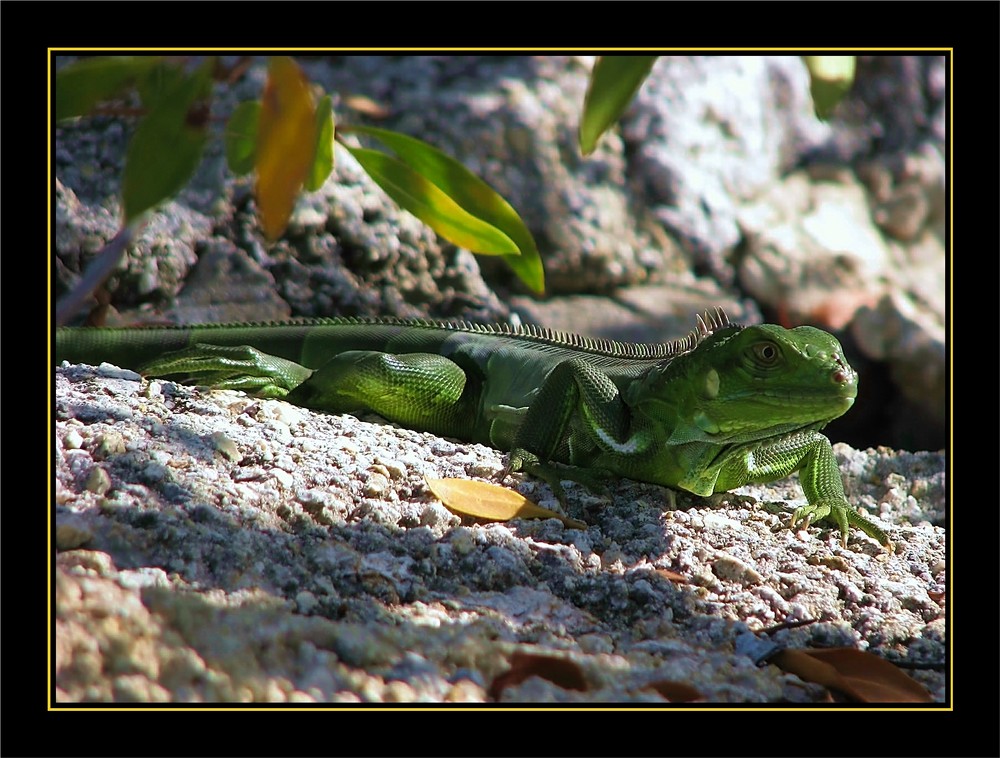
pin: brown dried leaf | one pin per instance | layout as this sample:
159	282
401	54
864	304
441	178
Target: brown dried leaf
675	692
468	497
366	106
560	671
861	676
673	576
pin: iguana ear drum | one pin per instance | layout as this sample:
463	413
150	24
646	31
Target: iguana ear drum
711	383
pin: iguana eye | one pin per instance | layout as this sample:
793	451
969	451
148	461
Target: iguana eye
766	352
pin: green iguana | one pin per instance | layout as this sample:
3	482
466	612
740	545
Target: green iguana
722	407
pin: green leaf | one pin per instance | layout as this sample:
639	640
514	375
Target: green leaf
84	83
613	83
158	82
431	205
241	137
323	162
166	146
472	194
830	79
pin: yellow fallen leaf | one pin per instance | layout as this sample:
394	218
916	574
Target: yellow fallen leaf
286	143
468	497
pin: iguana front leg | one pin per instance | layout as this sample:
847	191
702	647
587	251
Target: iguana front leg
573	386
237	368
811	454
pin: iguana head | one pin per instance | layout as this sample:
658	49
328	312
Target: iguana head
745	383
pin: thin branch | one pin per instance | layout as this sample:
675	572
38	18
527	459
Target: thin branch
94	276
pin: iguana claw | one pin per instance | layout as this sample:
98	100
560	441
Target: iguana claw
844	516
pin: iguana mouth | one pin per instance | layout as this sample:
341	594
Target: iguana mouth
821	406
798	397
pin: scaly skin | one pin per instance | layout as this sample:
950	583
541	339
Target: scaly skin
723	407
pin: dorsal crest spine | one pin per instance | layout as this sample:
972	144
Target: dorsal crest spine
705	325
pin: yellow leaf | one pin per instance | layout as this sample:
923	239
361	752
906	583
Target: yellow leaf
468	497
286	143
